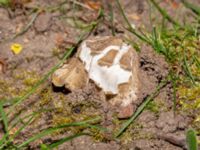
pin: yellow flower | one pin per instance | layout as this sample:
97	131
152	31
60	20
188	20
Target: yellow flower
16	48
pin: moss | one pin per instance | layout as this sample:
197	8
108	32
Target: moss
153	106
64	113
18	84
29	78
45	96
57	52
134	132
189	99
30	81
59	120
100	136
184	61
9	90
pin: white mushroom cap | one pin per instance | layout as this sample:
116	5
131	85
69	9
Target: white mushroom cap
106	77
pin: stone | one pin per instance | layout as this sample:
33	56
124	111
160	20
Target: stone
42	22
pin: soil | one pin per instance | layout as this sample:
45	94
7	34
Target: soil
45	42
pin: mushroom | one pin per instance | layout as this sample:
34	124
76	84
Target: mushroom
111	64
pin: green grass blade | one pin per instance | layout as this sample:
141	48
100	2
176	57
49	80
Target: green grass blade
24	126
164	13
97	127
9	102
130	28
51	130
10	140
2	141
4	118
111	19
25	29
197	61
191	140
63	140
187	69
173	81
140	109
18	119
157	44
5	123
194	8
123	14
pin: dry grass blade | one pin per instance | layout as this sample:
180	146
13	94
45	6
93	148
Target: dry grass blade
27	26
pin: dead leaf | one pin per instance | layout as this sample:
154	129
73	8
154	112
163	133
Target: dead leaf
172	3
94	5
134	16
13	131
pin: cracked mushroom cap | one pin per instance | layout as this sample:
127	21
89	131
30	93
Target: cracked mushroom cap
111	64
107	61
71	75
